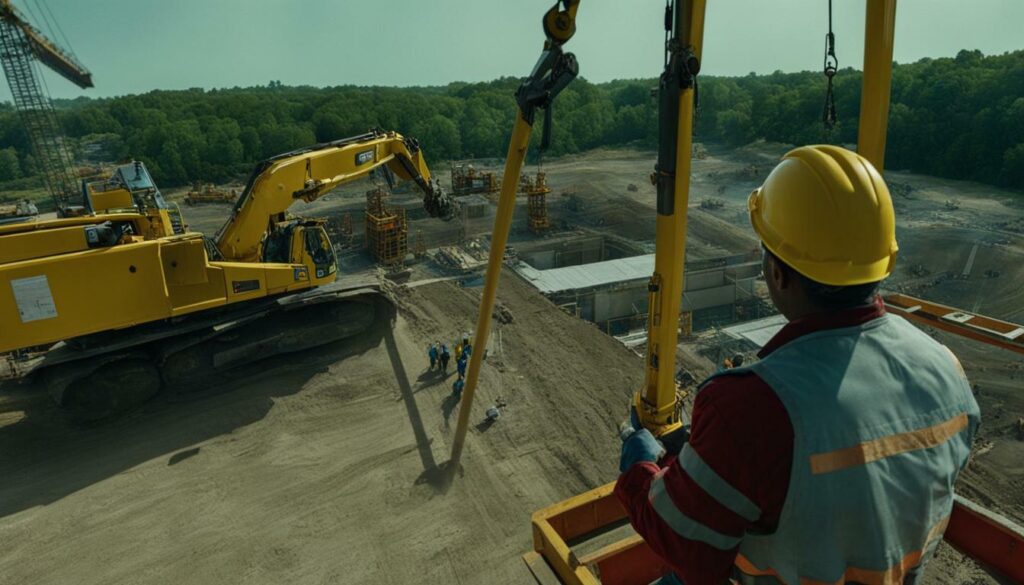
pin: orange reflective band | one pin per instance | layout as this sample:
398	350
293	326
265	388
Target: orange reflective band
892	576
744	565
887	446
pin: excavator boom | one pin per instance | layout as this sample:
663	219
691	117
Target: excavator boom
308	174
125	293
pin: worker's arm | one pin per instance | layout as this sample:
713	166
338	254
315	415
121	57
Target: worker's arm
732	477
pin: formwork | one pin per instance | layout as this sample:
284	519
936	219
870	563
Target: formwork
536	191
466	179
387	229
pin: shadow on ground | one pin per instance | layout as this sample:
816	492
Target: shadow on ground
44	457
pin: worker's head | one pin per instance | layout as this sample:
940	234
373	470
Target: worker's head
827	225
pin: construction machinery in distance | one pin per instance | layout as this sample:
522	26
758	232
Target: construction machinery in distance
466	179
107	308
207	193
560	530
23	210
21	46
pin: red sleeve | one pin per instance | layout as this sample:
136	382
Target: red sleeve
740	430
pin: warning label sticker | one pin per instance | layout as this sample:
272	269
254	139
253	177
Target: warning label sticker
33	297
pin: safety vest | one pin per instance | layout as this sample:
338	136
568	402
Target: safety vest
883	418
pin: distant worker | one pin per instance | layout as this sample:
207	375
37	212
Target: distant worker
461	366
457	388
433	353
458	351
445	356
833	458
733	362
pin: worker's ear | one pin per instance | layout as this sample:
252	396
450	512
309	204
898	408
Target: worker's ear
779	274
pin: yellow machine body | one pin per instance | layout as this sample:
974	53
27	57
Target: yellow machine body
58	287
71	277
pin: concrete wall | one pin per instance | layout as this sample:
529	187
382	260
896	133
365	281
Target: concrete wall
573	251
711	294
623	302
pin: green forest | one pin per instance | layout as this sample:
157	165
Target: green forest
959	117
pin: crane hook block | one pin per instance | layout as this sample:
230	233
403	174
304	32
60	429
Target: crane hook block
559	22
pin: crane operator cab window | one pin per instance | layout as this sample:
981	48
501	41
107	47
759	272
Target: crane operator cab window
319	249
298	243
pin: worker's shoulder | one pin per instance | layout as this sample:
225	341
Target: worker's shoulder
740	389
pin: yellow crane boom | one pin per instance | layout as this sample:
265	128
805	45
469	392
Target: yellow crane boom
45	50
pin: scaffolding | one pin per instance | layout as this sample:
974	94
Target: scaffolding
419	246
339	229
467	179
387	230
536	191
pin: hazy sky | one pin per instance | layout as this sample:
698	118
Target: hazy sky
134	46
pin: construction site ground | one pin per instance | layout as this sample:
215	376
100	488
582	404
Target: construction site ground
325	467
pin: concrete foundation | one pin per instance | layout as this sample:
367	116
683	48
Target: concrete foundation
592	279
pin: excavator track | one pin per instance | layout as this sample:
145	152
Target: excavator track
101	377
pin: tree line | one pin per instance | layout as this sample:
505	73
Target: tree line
960	117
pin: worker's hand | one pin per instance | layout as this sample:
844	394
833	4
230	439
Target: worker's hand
628	427
639	446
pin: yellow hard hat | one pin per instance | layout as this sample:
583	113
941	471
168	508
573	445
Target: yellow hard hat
826	212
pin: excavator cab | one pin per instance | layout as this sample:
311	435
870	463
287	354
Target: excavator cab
302	242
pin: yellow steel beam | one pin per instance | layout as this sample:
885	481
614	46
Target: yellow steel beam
879	29
656	402
499	238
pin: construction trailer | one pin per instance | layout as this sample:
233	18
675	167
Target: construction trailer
387	229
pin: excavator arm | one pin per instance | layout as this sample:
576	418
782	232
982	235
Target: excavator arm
307	174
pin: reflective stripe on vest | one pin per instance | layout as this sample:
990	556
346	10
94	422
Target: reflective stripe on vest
892	576
888	446
682	524
883	420
716	487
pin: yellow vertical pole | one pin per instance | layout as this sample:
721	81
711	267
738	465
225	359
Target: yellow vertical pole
879	30
656	403
499	238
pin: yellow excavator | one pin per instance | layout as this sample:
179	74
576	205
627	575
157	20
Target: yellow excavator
109	307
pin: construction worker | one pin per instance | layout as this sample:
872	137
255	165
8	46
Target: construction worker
458	352
833	458
461	365
433	354
445	356
457	388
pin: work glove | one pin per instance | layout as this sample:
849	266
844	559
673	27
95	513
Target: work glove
637	445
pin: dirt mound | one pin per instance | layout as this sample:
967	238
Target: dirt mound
323	467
